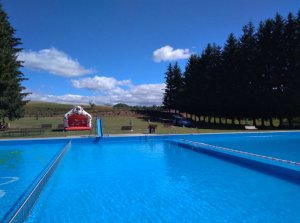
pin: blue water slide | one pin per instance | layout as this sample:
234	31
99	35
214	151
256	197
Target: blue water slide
99	127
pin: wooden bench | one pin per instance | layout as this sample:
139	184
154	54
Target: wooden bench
12	131
29	131
46	126
60	127
127	127
23	131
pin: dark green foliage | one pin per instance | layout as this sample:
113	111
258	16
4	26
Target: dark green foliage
11	90
191	84
211	66
168	101
254	76
231	77
121	105
174	87
247	71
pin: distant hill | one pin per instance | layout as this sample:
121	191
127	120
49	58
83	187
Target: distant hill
54	109
121	105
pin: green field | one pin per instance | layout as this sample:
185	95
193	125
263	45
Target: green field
111	125
37	113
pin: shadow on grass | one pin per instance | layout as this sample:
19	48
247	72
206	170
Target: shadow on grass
57	130
166	118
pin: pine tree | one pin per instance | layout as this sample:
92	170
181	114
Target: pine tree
177	87
247	58
11	90
211	61
230	80
257	75
279	74
292	53
192	85
168	100
265	66
174	87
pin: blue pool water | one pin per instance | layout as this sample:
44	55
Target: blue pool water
20	164
151	179
280	145
156	181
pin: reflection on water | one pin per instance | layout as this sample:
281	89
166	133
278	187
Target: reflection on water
9	158
20	164
4	181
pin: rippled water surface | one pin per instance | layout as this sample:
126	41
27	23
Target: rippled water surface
20	164
159	182
284	146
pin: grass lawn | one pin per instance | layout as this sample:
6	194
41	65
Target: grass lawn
38	113
111	125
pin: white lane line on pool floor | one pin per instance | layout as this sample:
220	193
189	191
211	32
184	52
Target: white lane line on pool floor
12	179
243	152
2	193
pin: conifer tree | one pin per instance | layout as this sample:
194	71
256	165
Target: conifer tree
256	75
192	85
178	87
168	100
211	59
174	87
11	89
247	62
230	81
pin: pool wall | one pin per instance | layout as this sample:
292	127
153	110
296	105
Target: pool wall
278	169
281	168
146	137
23	206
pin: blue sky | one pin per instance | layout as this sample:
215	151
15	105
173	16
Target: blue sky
117	50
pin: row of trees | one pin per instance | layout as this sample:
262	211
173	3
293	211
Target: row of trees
11	91
254	76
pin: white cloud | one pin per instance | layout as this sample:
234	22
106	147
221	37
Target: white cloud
100	83
63	99
168	53
53	61
108	90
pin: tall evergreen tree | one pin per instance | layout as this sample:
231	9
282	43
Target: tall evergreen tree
247	68
174	88
177	87
265	65
230	82
257	75
211	61
278	76
192	85
168	100
11	89
292	68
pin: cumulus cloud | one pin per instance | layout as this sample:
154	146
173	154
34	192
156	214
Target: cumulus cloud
121	91
108	90
100	83
63	99
168	53
53	61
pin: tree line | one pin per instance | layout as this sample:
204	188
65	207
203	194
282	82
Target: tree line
256	75
11	90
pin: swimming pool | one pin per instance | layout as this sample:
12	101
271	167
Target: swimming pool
281	145
21	162
148	179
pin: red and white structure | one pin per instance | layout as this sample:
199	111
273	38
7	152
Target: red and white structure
77	119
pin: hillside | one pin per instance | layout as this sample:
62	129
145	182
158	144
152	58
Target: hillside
48	109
